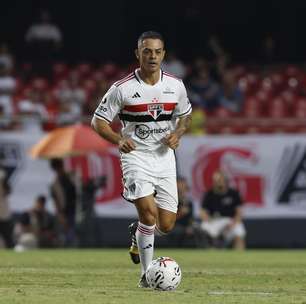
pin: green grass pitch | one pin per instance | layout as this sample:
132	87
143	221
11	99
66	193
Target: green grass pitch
107	276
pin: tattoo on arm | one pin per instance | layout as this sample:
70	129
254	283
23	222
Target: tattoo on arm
183	125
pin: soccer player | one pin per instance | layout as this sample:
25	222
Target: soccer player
155	112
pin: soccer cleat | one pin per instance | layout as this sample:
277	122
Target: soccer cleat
134	253
143	283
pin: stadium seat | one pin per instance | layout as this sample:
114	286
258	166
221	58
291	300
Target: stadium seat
110	70
267	86
292	71
252	108
278	108
293	85
84	69
290	99
300	108
278	81
89	85
40	83
223	113
60	70
97	75
249	83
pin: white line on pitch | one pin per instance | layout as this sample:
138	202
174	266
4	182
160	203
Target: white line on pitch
255	293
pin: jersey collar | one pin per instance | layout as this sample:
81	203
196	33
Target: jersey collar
136	73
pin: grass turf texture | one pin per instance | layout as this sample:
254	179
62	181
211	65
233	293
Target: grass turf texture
107	276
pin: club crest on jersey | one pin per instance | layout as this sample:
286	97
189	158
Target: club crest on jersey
155	110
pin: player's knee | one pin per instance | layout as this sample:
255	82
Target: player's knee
148	217
165	228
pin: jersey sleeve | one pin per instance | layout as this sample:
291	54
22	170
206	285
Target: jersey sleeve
110	105
183	107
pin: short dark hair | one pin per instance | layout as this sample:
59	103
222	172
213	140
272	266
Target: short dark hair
150	35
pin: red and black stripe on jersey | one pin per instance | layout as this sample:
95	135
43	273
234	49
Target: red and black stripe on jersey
144	118
139	113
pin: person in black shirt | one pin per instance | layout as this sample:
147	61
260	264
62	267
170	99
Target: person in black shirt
221	213
184	228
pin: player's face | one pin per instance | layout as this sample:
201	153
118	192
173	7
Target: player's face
150	54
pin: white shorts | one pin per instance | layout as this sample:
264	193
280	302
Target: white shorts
217	227
146	173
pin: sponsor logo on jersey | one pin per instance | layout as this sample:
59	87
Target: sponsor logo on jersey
143	131
101	108
168	91
155	110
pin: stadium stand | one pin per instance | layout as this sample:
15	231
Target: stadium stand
274	99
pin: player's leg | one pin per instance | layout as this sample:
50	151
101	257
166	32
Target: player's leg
136	186
167	202
165	221
147	214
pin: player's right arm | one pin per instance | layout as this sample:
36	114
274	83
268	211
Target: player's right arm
105	113
103	128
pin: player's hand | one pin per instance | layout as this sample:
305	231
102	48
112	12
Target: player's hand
172	140
126	145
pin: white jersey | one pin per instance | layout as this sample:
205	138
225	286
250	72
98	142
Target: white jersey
147	112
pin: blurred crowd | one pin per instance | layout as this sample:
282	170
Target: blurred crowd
72	224
68	222
226	97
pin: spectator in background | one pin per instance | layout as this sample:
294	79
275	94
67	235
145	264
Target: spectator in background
5	214
7	89
72	98
36	227
64	194
202	89
44	40
221	213
230	95
24	234
173	65
71	91
184	228
43	223
33	110
6	58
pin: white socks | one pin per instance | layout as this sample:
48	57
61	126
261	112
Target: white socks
145	242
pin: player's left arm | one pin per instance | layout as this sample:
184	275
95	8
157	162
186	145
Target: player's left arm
183	115
173	139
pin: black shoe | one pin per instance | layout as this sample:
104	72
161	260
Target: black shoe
143	283
134	253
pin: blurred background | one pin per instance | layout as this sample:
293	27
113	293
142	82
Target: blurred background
243	65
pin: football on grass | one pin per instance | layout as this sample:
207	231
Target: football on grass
164	274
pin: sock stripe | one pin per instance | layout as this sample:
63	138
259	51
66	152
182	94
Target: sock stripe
145	231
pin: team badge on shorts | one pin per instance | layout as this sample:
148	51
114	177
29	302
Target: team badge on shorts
155	110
